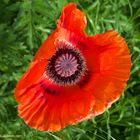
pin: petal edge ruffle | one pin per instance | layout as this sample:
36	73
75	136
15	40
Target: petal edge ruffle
72	19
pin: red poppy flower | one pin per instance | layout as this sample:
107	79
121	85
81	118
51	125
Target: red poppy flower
72	76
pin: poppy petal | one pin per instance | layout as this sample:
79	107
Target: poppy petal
49	107
72	19
33	74
114	63
47	49
51	112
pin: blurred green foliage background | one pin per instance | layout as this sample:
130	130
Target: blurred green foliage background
25	24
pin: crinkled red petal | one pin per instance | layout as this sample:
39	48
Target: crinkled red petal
114	63
72	19
47	49
49	107
33	74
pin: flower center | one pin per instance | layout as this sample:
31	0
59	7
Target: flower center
67	66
